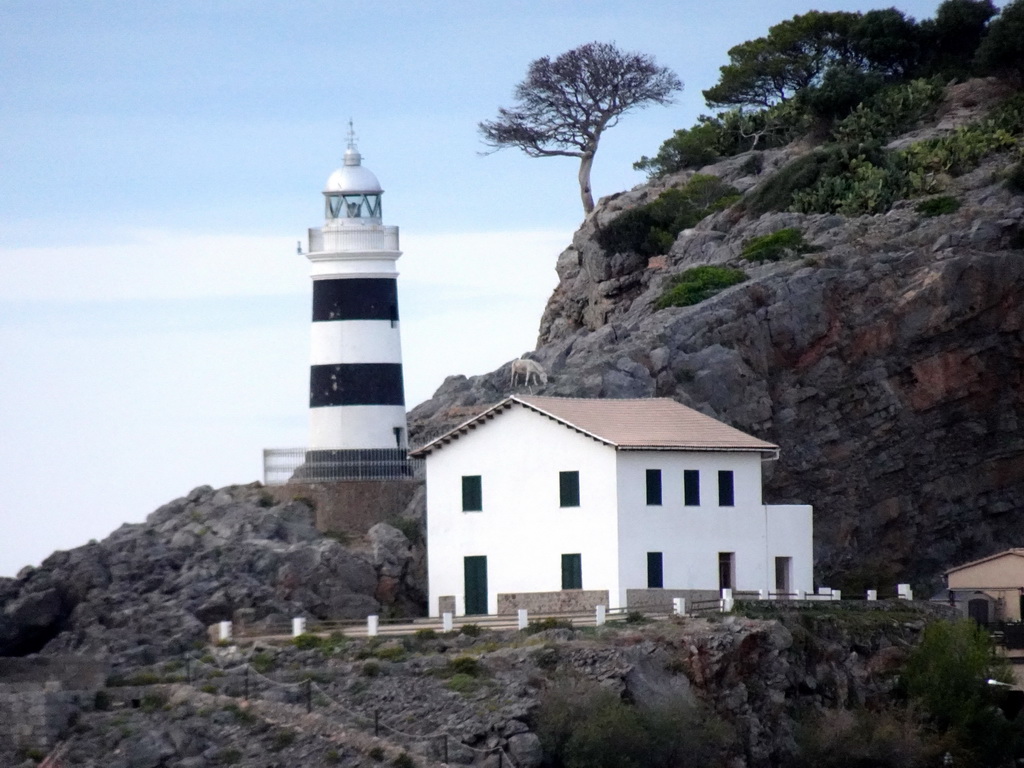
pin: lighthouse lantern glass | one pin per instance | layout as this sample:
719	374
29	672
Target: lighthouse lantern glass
353	207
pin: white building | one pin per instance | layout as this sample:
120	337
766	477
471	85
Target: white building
556	503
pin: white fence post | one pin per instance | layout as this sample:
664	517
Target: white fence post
224	631
600	616
524	618
837	594
726	603
904	591
872	594
760	594
298	626
447	622
371	625
824	593
679	606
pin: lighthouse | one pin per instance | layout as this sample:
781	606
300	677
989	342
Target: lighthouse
356	397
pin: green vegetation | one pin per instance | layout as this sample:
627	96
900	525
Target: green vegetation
376	753
331	643
229	757
582	725
371	669
650	230
461	683
262	662
465	665
779	244
545	624
426	634
842	738
283	738
938	206
403	761
696	284
470	630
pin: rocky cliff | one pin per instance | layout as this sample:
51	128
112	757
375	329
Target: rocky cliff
151	589
887	363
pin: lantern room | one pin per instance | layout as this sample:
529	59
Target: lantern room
352	192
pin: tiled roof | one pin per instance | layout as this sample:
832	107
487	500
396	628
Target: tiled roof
1016	552
650	423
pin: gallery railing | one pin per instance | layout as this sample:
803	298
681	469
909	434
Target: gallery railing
303	465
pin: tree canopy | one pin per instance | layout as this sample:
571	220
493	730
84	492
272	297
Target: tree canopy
565	104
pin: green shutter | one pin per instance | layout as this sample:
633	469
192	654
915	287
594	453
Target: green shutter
572	571
475	573
472	493
654	487
569	489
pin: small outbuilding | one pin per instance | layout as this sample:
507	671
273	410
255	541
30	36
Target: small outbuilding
989	589
552	503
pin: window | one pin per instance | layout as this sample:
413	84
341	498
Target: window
472	494
691	487
654	572
783	566
568	489
726	570
654	487
572	572
726	496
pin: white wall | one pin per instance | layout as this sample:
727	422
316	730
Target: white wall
790	529
522	530
690	538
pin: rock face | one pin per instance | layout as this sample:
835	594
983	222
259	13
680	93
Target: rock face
888	365
152	588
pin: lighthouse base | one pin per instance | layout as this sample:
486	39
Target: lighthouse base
330	466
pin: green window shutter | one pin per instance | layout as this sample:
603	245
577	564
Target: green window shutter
691	487
654	487
655	577
726	494
572	572
568	489
472	493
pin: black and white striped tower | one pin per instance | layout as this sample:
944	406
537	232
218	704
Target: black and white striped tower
356	397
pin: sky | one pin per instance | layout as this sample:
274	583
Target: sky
160	161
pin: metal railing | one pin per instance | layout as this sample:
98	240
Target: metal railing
344	239
302	465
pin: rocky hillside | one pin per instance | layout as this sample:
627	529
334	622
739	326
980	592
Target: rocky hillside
152	588
887	360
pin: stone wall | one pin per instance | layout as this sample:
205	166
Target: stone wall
661	599
352	506
564	601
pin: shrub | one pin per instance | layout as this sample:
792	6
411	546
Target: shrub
545	624
470	630
462	683
465	665
1015	178
376	753
403	761
371	669
890	112
776	193
636	617
282	739
393	653
650	230
843	738
262	662
775	246
938	206
307	642
686	148
582	725
426	634
697	284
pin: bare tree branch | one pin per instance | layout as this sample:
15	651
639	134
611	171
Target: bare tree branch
563	106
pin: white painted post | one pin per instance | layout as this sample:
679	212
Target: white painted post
371	625
298	626
904	592
599	619
825	593
760	594
872	594
447	622
837	594
224	631
727	602
679	606
524	618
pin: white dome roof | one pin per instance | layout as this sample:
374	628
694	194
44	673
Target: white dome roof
352	178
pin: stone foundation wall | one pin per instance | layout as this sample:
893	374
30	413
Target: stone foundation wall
564	601
35	719
353	506
661	599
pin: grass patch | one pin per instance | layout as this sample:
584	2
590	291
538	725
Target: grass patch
785	242
697	284
938	206
470	630
462	683
545	624
282	739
